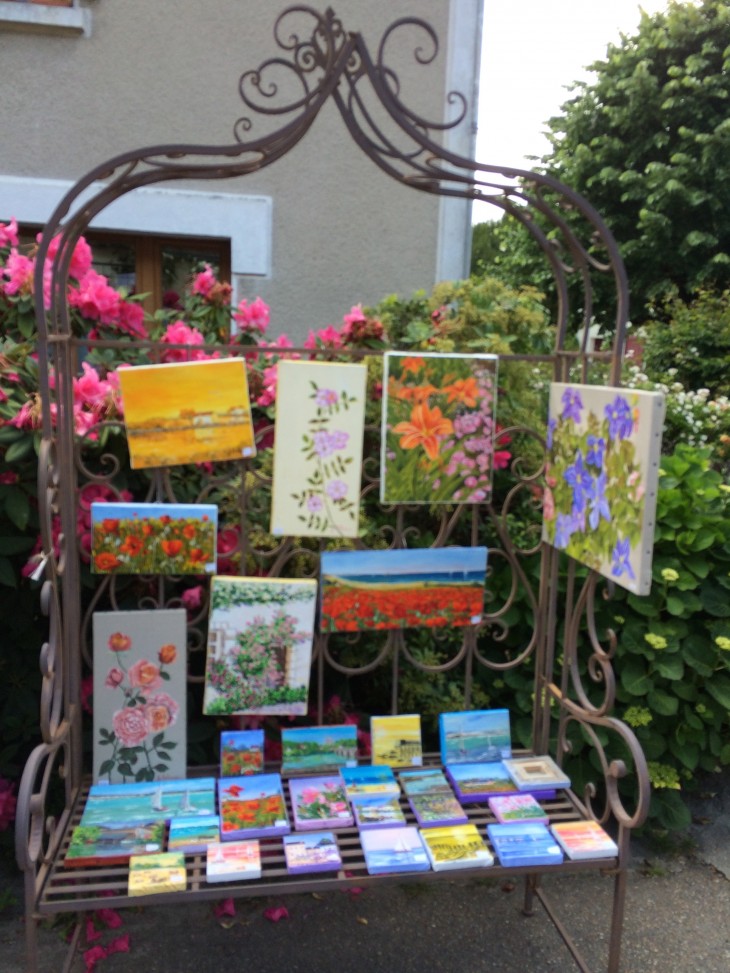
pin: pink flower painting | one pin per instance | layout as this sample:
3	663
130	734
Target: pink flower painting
139	695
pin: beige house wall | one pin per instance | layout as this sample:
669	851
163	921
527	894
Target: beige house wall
339	231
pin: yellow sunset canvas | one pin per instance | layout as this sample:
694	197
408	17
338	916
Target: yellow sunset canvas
187	412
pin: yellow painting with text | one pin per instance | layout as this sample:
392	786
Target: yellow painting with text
187	412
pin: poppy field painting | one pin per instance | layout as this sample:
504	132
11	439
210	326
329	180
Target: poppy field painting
601	479
416	588
187	412
153	538
438	428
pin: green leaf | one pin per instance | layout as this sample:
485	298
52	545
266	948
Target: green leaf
634	678
662	703
669	810
719	689
17	507
715	599
8	577
669	666
19	450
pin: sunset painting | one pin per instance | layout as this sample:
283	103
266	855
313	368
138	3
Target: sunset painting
187	412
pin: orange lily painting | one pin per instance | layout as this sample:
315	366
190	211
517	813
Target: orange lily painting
187	412
438	428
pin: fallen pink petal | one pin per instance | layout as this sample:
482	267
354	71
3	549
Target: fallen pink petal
274	915
119	945
92	933
110	918
92	957
224	908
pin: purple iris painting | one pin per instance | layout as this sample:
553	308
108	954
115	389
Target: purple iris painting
601	478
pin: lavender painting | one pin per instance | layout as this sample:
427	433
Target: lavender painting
601	478
320	413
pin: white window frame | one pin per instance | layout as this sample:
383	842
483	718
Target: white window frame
42	18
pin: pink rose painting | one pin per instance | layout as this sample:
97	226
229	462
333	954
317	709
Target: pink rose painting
139	695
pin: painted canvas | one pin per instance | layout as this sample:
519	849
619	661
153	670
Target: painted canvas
187	412
471	736
601	479
259	646
438	428
242	752
396	740
120	805
320	414
140	693
153	538
311	853
416	588
111	844
191	835
252	807
313	749
319	802
394	850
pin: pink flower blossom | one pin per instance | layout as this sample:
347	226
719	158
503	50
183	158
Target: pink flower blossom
204	282
29	415
114	678
328	337
118	945
226	907
161	711
96	299
144	674
91	390
192	598
178	333
9	233
19	272
130	725
355	316
9	477
275	915
252	317
131	319
92	957
80	263
87	694
8	803
268	396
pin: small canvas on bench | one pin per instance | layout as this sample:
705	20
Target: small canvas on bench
475	736
318	749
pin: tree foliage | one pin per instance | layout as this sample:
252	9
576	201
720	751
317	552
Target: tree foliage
647	142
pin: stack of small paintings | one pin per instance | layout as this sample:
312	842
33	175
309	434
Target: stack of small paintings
420	588
242	752
252	807
259	646
319	802
396	740
390	850
460	846
475	782
475	736
431	798
187	412
317	749
527	843
191	835
536	773
517	807
601	478
377	811
584	839
315	852
233	861
153	874
368	780
153	538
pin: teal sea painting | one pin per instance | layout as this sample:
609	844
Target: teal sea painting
309	749
475	735
131	803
